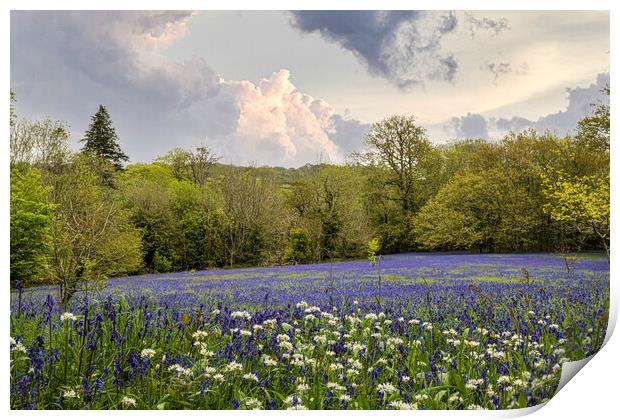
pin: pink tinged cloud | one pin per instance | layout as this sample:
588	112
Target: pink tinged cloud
278	124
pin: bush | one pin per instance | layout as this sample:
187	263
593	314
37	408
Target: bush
298	249
161	264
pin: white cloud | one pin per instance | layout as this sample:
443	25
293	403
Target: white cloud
280	125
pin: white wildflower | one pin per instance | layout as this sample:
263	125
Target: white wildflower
401	405
241	314
20	347
250	377
233	366
147	353
386	389
67	316
253	404
70	394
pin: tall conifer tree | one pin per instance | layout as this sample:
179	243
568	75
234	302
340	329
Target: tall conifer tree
101	139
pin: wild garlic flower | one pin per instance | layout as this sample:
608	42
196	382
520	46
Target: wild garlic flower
401	405
253	404
198	335
241	314
20	348
68	316
251	377
180	370
70	394
233	367
147	353
386	389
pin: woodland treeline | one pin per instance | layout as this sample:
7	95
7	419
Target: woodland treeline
87	215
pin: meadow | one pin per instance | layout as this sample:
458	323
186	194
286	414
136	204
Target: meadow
418	331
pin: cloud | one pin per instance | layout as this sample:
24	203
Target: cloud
348	133
492	26
67	63
497	69
514	124
503	68
404	47
282	126
471	126
561	123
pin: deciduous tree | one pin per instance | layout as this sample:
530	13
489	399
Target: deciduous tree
31	219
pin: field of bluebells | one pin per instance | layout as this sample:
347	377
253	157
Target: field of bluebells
434	331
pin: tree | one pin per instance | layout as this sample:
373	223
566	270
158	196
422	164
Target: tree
193	164
468	155
594	129
31	218
329	206
12	114
404	171
177	159
576	186
254	222
201	163
101	139
43	144
581	202
92	236
147	192
299	249
484	210
398	144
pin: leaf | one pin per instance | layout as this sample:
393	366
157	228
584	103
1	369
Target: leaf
286	327
440	395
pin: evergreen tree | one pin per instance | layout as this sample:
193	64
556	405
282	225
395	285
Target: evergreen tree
101	139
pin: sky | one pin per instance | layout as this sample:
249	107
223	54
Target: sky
289	88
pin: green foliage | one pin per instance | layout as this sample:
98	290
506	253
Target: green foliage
92	236
593	130
255	224
487	210
196	165
43	143
177	218
373	248
101	139
329	206
161	264
582	203
299	249
584	200
438	226
31	218
404	171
